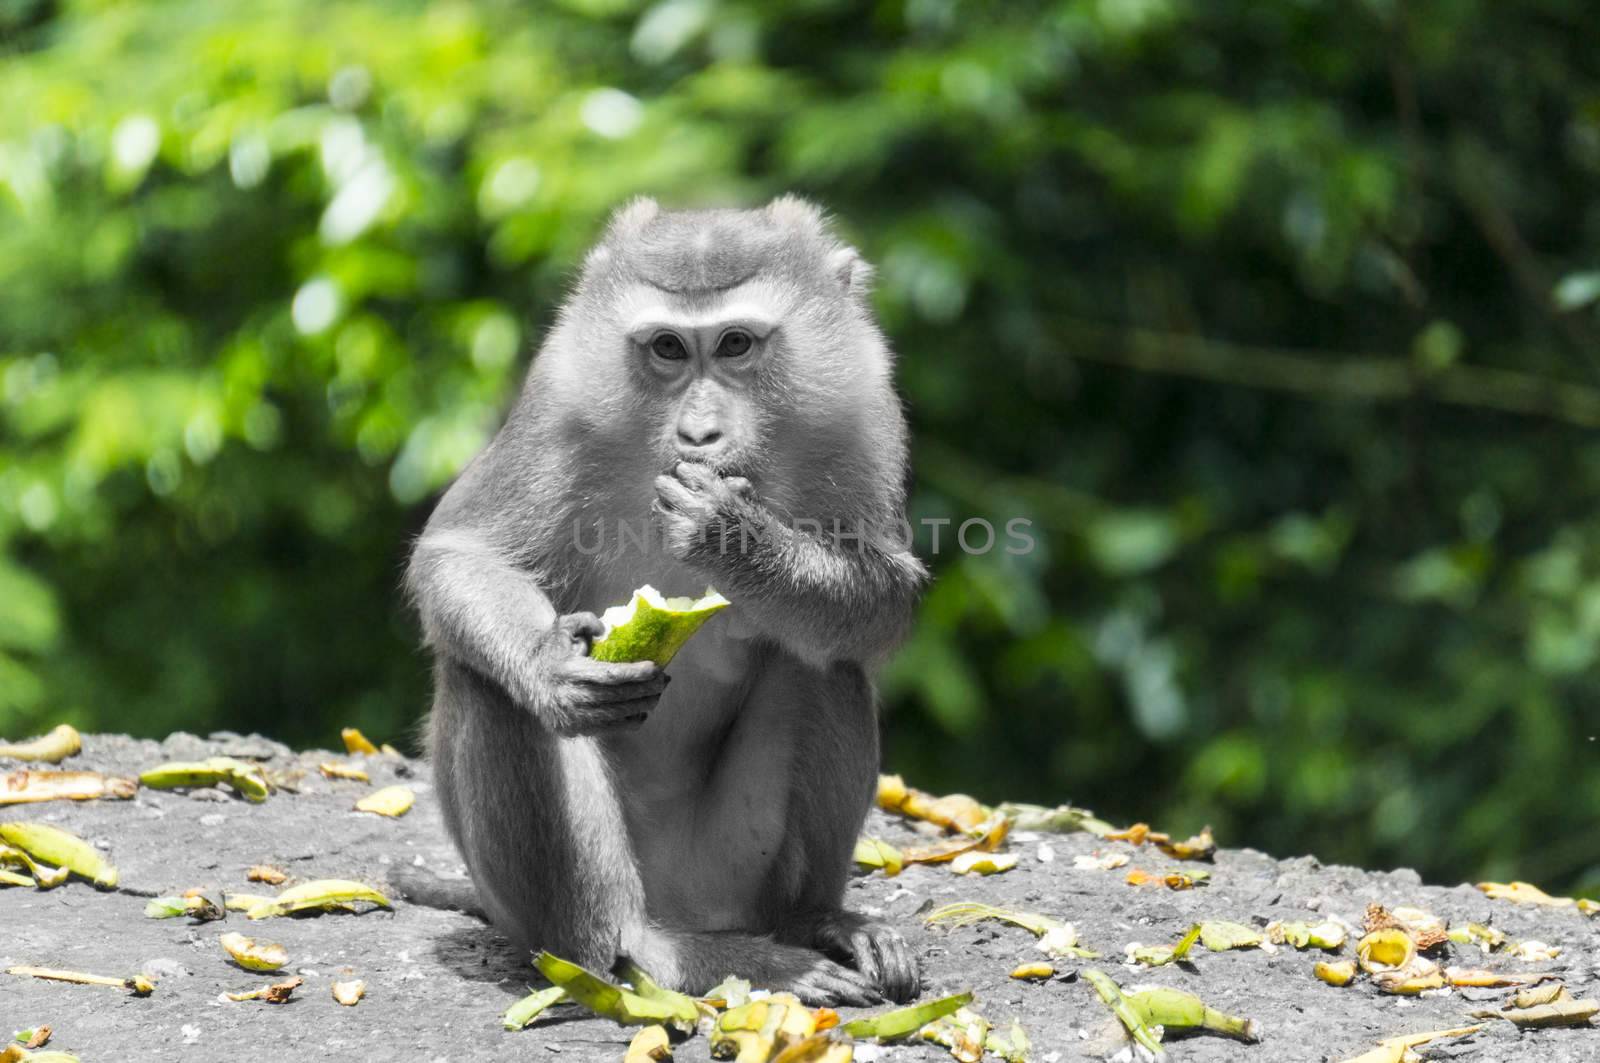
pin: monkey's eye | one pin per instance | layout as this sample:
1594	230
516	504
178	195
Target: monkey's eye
668	346
734	343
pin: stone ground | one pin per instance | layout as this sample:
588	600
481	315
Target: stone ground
437	982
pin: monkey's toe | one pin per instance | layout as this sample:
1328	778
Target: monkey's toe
829	984
877	951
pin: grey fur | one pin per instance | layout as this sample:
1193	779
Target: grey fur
706	830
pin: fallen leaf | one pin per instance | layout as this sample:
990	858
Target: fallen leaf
394	801
62	742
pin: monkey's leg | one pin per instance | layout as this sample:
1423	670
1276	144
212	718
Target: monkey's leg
537	820
834	778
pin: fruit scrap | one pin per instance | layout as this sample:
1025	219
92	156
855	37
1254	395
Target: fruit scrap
245	779
1200	847
272	876
956	812
53	845
1173	1009
1325	935
651	627
645	986
1477	978
391	801
965	1033
1417	977
19	1054
37	1037
1130	1017
1176	880
138	985
729	993
872	853
1161	955
613	1002
984	838
649	1045
1220	936
253	956
902	1022
1012	1047
1425	929
26	786
1486	938
62	742
356	742
11	878
1523	893
818	1048
321	894
349	993
1532	1010
1063	819
1395	1049
1533	951
1056	937
755	1032
1385	950
1336	972
194	905
1033	972
979	863
826	1018
334	770
276	993
530	1007
1103	862
243	902
44	877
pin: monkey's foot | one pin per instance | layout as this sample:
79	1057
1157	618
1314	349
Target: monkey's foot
877	950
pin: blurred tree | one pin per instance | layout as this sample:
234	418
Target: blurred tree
1277	322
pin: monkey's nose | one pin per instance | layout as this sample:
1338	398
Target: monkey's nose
696	438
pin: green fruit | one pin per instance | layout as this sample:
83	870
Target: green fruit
653	628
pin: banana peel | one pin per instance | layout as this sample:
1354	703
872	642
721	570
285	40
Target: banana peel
878	855
903	1022
52	845
1335	972
194	905
956	812
649	1045
1173	1009
653	628
1326	935
755	1032
28	786
964	1033
139	985
612	1001
1130	1017
276	993
349	993
530	1007
245	779
62	742
392	801
317	895
253	955
1394	1049
357	743
44	877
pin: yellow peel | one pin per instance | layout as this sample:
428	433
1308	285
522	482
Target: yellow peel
1336	972
653	628
349	993
612	1001
62	848
332	769
902	1022
389	801
253	955
1385	950
649	1045
52	748
870	852
276	993
531	1007
356	742
1394	1049
25	787
979	863
243	778
1174	1009
139	985
319	894
1033	972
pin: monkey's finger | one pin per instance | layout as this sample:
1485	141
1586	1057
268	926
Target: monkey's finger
866	957
606	673
828	983
695	475
581	626
740	487
674	496
900	980
609	696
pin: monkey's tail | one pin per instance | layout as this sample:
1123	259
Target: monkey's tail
421	886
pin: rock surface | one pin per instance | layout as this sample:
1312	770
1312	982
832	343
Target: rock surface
438	981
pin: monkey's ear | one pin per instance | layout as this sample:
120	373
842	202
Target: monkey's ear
633	216
853	272
800	215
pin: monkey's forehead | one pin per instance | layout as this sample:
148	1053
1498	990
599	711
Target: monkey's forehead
712	250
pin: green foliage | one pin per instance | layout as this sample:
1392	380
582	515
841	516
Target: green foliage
270	271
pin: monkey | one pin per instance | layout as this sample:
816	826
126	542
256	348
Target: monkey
718	378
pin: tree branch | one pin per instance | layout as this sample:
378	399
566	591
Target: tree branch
1331	377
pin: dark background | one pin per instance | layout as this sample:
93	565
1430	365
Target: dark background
1277	320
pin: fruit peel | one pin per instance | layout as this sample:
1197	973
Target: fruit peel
653	628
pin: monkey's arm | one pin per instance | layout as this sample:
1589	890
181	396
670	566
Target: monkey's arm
827	598
489	614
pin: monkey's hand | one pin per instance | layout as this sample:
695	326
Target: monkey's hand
578	695
703	514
